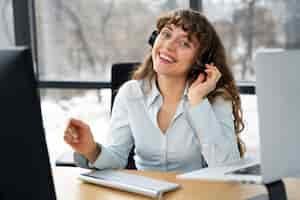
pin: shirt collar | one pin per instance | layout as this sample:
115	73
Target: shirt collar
154	92
186	90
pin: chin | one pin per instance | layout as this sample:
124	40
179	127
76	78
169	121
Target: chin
166	74
163	70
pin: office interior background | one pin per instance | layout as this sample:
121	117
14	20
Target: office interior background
76	42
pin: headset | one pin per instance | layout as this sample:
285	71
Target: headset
196	68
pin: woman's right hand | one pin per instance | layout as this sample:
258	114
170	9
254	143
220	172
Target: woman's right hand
79	136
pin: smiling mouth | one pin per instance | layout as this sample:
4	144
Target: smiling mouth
166	59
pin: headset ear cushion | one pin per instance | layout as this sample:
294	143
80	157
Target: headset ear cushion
153	37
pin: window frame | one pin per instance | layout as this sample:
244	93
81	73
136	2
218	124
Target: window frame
25	35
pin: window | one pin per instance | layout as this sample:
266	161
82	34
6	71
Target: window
6	24
245	27
250	134
79	40
59	105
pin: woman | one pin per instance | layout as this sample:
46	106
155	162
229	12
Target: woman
178	119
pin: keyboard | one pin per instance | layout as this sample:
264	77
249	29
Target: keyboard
129	182
251	170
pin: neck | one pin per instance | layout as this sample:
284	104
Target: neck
171	88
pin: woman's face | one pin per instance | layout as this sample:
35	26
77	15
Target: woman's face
173	52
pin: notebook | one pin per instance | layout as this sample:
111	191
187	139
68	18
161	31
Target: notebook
129	182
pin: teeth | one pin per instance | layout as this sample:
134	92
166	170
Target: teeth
166	58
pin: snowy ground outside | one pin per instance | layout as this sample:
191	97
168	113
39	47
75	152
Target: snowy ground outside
57	113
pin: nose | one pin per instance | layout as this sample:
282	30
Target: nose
170	44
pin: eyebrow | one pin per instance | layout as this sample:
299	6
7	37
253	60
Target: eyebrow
185	35
189	38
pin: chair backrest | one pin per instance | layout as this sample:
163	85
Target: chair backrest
120	73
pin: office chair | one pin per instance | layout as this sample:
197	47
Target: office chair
120	73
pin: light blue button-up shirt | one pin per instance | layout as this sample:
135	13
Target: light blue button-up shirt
195	136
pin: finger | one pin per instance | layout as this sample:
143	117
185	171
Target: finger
200	79
213	67
68	128
217	77
218	73
212	76
68	131
78	123
209	66
73	133
75	140
68	139
210	72
213	71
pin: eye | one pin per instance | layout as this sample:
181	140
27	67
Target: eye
185	44
165	34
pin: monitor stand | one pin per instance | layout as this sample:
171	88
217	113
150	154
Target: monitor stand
276	191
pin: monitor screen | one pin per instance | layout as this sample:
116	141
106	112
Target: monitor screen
25	168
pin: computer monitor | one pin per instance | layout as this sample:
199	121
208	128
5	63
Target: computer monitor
25	171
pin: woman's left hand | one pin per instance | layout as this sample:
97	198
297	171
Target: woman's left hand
202	86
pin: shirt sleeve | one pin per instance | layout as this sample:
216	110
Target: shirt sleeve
214	126
115	154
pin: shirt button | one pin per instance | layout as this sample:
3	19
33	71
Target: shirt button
163	153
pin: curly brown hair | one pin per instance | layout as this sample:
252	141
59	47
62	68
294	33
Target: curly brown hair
196	24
